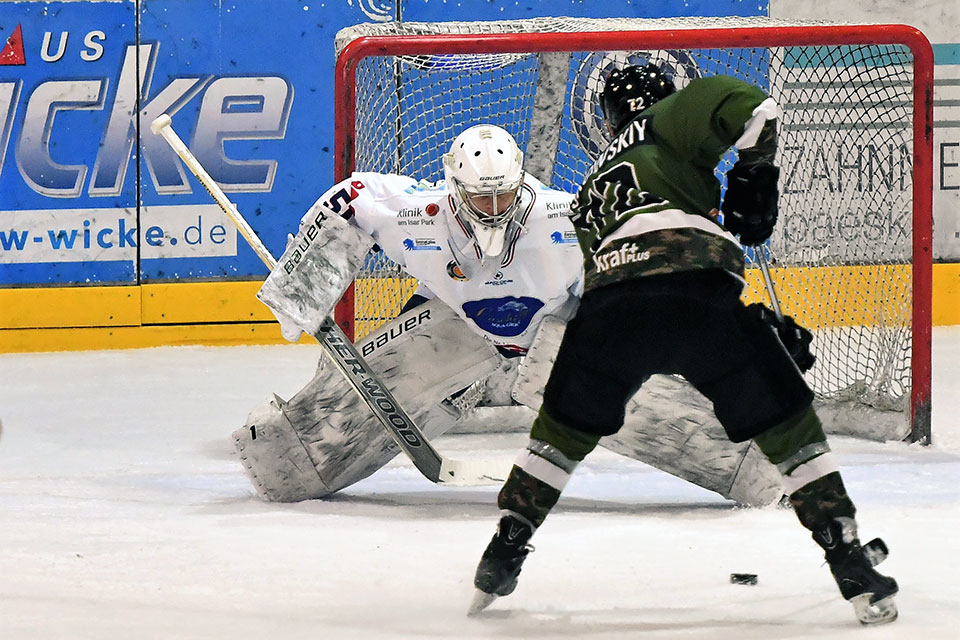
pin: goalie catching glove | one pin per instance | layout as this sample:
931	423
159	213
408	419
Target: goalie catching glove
795	339
750	203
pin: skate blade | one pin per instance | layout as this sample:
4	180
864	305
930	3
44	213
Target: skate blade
481	600
880	612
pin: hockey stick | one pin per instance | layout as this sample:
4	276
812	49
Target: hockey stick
768	280
343	354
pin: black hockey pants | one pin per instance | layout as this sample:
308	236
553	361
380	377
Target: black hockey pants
690	323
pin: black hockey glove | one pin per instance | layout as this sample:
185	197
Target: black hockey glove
750	202
795	338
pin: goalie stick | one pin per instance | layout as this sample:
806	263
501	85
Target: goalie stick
344	355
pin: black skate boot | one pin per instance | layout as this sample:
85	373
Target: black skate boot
851	564
501	561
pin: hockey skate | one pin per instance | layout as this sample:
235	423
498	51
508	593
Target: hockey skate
500	564
851	564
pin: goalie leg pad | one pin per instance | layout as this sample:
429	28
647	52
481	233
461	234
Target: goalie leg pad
422	356
536	365
670	426
274	457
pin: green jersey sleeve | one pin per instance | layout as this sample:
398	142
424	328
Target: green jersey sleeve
703	120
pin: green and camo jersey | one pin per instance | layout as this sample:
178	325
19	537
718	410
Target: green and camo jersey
645	208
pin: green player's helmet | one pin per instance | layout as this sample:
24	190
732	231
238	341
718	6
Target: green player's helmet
630	90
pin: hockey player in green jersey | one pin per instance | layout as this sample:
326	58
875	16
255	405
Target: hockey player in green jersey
662	295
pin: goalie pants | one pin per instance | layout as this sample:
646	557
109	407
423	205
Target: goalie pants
690	323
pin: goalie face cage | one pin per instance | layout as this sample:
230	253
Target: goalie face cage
851	256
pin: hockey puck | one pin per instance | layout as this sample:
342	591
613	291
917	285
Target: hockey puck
743	578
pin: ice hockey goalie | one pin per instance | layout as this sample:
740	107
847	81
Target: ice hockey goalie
499	273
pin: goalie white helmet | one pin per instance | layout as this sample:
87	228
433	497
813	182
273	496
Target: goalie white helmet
484	172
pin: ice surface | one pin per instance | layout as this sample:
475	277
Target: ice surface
125	514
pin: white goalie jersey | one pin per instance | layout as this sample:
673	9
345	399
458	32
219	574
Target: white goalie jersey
539	275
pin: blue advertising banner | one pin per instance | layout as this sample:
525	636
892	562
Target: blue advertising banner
89	196
249	87
68	78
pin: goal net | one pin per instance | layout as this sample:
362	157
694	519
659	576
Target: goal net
850	258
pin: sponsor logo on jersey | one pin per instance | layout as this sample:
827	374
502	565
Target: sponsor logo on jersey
557	209
432	209
420	244
626	254
498	279
563	237
453	270
413	217
425	185
508	317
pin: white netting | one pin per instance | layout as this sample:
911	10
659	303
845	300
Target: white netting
840	256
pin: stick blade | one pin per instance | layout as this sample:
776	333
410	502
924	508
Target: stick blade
473	473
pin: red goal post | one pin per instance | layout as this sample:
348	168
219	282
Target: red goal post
852	255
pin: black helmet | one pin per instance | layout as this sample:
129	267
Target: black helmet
630	90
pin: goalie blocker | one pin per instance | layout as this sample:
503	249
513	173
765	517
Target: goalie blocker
315	269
